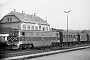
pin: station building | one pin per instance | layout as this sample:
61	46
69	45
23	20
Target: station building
23	21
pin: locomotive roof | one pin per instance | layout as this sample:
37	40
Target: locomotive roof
34	31
31	30
5	30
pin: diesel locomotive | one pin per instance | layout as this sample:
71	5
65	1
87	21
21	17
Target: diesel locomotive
19	39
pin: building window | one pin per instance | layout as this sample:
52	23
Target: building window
47	28
28	27
74	36
9	19
32	27
63	36
39	27
24	27
36	27
43	29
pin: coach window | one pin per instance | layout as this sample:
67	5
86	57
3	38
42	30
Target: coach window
73	36
69	36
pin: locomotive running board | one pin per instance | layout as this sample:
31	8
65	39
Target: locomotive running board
44	54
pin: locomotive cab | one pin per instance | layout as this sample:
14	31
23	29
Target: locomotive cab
12	39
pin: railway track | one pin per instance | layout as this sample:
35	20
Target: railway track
8	53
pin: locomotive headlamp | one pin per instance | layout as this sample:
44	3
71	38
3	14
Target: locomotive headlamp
16	39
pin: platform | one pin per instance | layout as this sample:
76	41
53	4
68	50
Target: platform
44	54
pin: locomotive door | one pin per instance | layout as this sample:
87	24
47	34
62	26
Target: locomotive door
61	37
23	36
87	37
78	38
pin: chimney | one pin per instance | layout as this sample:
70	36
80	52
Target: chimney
23	11
31	16
34	14
46	19
14	10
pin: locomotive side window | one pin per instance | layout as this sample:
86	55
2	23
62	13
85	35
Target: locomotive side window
63	36
23	33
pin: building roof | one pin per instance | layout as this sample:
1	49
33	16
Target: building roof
28	18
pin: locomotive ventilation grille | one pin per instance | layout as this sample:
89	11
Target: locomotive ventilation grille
12	39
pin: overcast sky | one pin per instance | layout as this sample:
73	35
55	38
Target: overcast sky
79	17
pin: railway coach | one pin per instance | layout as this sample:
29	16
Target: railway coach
84	37
70	38
19	39
73	37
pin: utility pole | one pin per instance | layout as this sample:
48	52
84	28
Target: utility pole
67	23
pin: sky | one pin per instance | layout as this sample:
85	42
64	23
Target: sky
78	17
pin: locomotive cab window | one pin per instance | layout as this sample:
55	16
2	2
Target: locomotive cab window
23	33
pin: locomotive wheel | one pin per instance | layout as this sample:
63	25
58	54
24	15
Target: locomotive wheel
30	46
20	47
25	46
9	47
